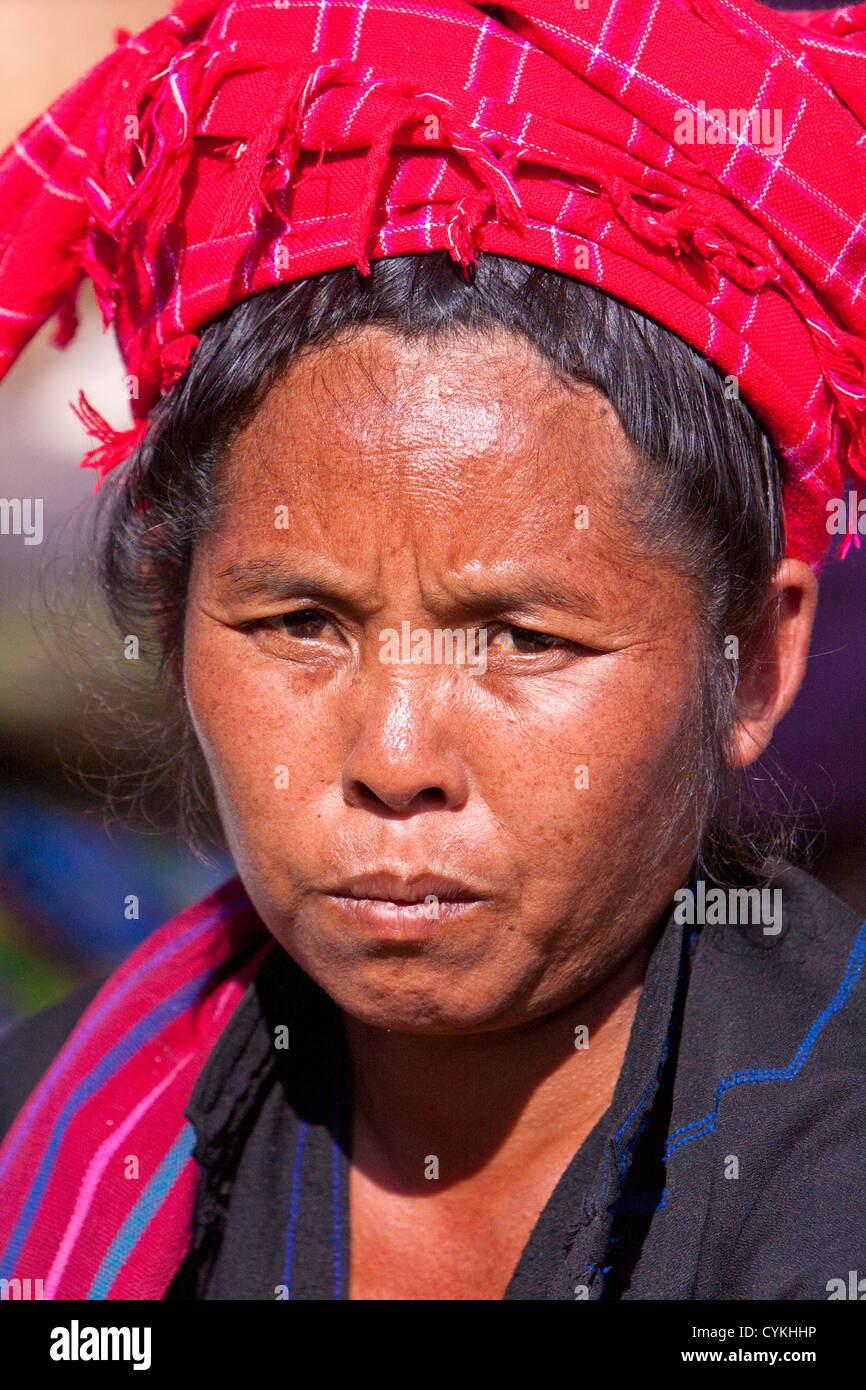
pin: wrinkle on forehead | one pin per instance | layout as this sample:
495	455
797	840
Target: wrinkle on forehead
427	417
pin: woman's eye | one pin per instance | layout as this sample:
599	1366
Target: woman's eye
305	622
528	642
311	624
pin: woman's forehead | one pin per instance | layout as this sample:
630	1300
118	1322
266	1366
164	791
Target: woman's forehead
475	420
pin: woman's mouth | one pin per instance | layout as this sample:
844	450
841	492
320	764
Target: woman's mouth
404	906
397	919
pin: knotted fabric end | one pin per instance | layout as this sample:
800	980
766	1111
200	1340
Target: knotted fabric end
175	358
67	316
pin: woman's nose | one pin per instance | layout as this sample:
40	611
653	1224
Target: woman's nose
407	754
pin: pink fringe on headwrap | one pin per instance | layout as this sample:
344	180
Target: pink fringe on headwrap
686	229
499	192
115	445
179	81
847	544
493	171
843	363
265	163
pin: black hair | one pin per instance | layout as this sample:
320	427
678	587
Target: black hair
708	498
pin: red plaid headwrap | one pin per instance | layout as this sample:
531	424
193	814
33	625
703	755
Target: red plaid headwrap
703	160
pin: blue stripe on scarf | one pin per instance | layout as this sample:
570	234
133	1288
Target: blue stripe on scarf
143	1213
293	1211
336	1218
81	1035
114	1059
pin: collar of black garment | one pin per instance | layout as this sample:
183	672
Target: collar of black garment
271	1110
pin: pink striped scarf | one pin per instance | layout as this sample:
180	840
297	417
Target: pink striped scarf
97	1175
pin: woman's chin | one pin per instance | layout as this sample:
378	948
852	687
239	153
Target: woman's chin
415	994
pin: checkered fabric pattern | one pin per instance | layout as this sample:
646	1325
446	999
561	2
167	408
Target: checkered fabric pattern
234	146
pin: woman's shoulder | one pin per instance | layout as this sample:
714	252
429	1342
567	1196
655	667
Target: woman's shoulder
29	1046
793	912
782	960
763	1156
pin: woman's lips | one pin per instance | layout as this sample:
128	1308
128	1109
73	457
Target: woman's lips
392	886
387	917
403	905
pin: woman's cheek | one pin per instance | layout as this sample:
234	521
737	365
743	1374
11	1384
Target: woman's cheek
255	738
601	741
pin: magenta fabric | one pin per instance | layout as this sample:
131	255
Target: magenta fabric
97	1174
235	146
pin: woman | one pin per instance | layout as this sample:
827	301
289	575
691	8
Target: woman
485	435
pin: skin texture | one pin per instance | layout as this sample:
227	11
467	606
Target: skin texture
415	477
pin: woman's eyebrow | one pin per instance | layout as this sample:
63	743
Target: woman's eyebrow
488	599
275	582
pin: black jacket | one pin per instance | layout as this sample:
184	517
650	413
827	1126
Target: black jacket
729	1164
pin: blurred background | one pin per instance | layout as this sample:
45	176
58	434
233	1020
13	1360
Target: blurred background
67	875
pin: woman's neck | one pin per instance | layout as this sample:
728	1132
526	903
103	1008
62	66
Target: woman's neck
489	1103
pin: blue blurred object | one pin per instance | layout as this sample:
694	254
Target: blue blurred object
76	899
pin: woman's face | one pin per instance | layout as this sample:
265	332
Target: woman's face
423	489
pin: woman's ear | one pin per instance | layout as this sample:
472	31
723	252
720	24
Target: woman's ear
772	670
